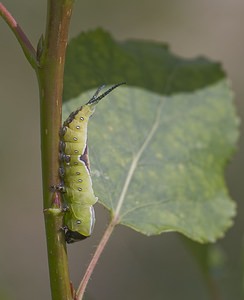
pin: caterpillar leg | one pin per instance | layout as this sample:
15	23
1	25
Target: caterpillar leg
58	188
64	228
65	208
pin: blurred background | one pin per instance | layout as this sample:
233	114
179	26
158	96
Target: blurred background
132	266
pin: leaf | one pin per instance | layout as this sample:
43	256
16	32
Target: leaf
158	161
95	58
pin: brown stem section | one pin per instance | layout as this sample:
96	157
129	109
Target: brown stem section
50	73
95	258
25	44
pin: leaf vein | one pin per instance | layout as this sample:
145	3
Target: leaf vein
136	159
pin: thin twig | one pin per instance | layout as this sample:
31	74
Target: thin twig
28	49
95	258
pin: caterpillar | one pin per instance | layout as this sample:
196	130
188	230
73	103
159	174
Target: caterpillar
78	195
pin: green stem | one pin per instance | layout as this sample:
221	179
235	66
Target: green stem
24	42
49	67
50	76
57	254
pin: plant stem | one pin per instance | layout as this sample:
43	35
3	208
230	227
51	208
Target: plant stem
95	258
213	288
50	76
50	70
24	42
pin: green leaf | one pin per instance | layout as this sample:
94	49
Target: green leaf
158	161
95	58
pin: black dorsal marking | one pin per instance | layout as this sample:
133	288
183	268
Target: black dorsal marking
85	158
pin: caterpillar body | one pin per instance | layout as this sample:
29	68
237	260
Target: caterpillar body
79	198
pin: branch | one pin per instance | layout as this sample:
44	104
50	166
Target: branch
50	72
95	258
24	42
49	67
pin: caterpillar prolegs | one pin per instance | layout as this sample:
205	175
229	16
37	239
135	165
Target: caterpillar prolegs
78	194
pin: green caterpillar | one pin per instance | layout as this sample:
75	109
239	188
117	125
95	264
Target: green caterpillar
76	183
